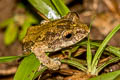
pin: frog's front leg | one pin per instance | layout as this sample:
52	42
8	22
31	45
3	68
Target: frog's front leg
45	60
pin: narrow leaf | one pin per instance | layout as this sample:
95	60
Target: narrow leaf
89	56
111	49
75	64
102	47
9	58
106	63
114	50
46	7
27	68
10	33
5	23
107	76
61	7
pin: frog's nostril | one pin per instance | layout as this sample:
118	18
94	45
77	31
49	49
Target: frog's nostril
68	36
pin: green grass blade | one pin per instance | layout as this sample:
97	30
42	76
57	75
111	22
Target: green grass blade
89	55
81	61
46	7
27	68
102	47
75	64
9	58
114	50
107	63
107	76
111	49
61	7
5	23
11	33
117	77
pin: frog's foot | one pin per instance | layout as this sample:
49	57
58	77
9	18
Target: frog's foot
54	64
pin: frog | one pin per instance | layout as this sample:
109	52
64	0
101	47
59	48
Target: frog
53	36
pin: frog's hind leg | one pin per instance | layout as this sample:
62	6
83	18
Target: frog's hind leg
53	64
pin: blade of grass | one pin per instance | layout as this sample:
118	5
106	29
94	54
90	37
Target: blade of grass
107	76
114	50
102	47
61	7
9	58
11	33
27	68
46	8
89	54
117	77
106	63
75	64
5	23
81	61
111	49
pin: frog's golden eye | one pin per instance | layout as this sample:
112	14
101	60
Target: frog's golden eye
67	34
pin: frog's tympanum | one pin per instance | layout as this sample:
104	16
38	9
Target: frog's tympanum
53	36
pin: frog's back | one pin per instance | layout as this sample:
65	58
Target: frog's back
54	34
42	33
39	33
34	32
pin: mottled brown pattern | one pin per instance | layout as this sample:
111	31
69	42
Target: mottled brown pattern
53	36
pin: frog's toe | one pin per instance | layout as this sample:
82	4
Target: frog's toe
55	64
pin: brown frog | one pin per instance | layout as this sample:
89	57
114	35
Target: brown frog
53	36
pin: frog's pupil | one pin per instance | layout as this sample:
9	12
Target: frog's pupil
68	35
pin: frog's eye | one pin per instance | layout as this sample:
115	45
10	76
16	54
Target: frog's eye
69	35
